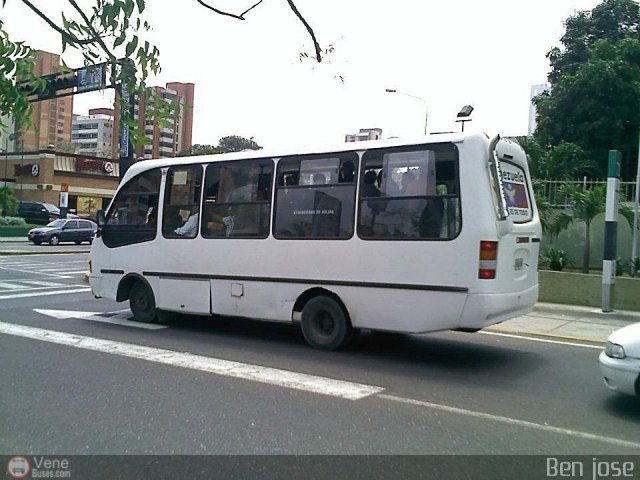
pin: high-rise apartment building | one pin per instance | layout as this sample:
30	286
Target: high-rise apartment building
51	118
93	134
176	134
535	91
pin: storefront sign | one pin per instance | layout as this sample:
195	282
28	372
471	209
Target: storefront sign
93	165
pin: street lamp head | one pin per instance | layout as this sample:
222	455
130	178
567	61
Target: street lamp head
465	111
390	90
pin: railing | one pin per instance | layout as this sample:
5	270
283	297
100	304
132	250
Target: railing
551	190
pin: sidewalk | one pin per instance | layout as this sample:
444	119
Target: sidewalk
548	320
567	322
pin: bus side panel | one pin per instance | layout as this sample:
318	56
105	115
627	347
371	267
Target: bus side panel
409	311
182	295
263	300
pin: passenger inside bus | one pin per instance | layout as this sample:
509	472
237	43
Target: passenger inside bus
190	227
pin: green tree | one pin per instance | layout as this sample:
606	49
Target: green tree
103	31
595	85
8	203
232	143
565	161
198	149
585	204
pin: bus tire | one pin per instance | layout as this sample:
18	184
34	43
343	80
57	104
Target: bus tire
325	324
143	303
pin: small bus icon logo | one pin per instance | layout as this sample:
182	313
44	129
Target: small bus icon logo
18	467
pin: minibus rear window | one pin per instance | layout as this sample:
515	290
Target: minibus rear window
516	192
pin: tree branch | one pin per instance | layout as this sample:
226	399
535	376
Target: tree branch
88	23
226	14
316	46
309	29
71	39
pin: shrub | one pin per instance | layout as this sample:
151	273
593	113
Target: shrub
557	259
12	221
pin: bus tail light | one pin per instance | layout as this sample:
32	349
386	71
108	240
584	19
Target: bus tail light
488	260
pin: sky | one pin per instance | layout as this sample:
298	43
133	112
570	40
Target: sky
249	81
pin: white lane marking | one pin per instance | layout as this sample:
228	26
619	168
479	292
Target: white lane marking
77	272
31	271
14	286
116	318
542	340
40	283
513	421
267	375
40	293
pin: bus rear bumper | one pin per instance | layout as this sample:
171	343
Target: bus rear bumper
483	310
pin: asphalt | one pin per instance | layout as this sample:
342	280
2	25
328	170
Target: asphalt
547	320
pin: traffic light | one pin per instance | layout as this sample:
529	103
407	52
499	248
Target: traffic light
57	82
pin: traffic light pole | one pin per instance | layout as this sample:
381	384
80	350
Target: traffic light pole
125	145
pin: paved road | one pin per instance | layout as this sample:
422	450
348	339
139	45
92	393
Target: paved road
26	247
94	382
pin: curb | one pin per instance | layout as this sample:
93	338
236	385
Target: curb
546	336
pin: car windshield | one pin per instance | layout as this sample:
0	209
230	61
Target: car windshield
51	208
56	223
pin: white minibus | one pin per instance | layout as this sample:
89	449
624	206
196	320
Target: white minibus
437	233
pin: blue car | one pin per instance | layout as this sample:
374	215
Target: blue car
64	230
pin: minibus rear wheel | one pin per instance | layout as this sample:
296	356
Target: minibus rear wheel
143	303
325	324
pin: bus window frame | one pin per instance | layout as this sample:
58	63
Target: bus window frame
410	148
270	201
353	156
167	175
526	184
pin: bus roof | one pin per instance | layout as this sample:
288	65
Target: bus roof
143	165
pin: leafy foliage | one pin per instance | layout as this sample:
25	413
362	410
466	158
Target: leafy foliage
595	85
557	259
12	222
8	203
232	143
105	32
564	161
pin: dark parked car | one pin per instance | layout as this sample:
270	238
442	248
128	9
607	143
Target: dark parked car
64	230
38	212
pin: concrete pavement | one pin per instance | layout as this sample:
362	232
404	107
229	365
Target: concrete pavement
567	322
548	320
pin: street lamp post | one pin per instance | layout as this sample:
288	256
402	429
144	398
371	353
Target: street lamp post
426	105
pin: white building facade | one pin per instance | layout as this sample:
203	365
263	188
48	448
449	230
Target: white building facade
93	135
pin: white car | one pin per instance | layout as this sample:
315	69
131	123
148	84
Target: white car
620	360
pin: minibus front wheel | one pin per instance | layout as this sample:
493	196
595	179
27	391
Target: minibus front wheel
143	303
325	323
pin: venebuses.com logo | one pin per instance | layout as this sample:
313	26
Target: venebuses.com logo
38	467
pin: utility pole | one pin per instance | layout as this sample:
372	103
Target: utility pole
610	230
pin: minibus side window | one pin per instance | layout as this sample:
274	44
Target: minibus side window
315	196
410	193
181	209
132	217
237	199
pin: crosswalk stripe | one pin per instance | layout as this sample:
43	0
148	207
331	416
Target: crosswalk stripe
216	366
42	283
41	293
13	286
